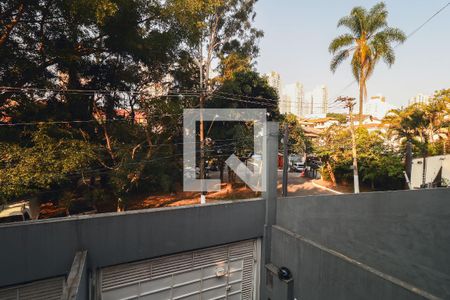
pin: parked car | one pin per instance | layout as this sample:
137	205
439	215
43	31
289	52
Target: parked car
17	212
298	167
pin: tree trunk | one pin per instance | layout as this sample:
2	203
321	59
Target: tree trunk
221	170
10	27
330	171
361	100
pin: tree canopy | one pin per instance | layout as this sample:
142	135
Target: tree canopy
92	92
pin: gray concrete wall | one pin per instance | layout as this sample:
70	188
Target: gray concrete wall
83	289
41	249
405	234
319	274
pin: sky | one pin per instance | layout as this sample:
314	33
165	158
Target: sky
298	33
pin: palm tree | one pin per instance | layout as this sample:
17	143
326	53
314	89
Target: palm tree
370	39
410	124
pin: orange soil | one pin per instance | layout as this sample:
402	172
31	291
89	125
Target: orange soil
48	210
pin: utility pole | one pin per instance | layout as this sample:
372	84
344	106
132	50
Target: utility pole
350	104
285	159
408	163
199	63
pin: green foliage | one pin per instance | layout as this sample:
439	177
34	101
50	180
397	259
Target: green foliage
50	160
341	118
379	165
224	25
252	91
425	125
115	45
298	142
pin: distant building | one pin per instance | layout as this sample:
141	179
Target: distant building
435	168
323	123
377	106
293	96
420	98
294	100
274	80
307	105
320	100
315	102
284	104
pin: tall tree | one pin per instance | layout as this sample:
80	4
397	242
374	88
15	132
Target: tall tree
422	124
214	29
106	45
241	90
370	39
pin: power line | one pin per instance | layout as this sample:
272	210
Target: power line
232	142
245	101
92	91
427	21
100	121
248	97
104	170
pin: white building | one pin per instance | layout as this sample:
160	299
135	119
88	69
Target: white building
293	97
320	100
377	106
294	100
315	102
274	80
420	98
307	105
435	167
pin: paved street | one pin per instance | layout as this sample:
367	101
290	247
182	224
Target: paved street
300	186
297	185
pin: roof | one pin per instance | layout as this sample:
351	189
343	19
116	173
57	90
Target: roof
375	125
320	120
311	132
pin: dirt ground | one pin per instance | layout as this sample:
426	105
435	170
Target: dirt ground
190	198
49	210
298	186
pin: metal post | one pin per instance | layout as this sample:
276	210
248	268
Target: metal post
270	195
202	127
408	162
350	104
355	160
75	278
285	160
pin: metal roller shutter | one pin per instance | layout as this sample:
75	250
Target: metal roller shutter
49	289
224	272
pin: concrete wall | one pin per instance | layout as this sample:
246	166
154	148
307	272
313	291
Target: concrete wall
83	288
41	249
319	274
405	234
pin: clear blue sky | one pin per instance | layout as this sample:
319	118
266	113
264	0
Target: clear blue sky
298	32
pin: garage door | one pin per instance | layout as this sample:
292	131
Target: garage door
225	272
49	289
